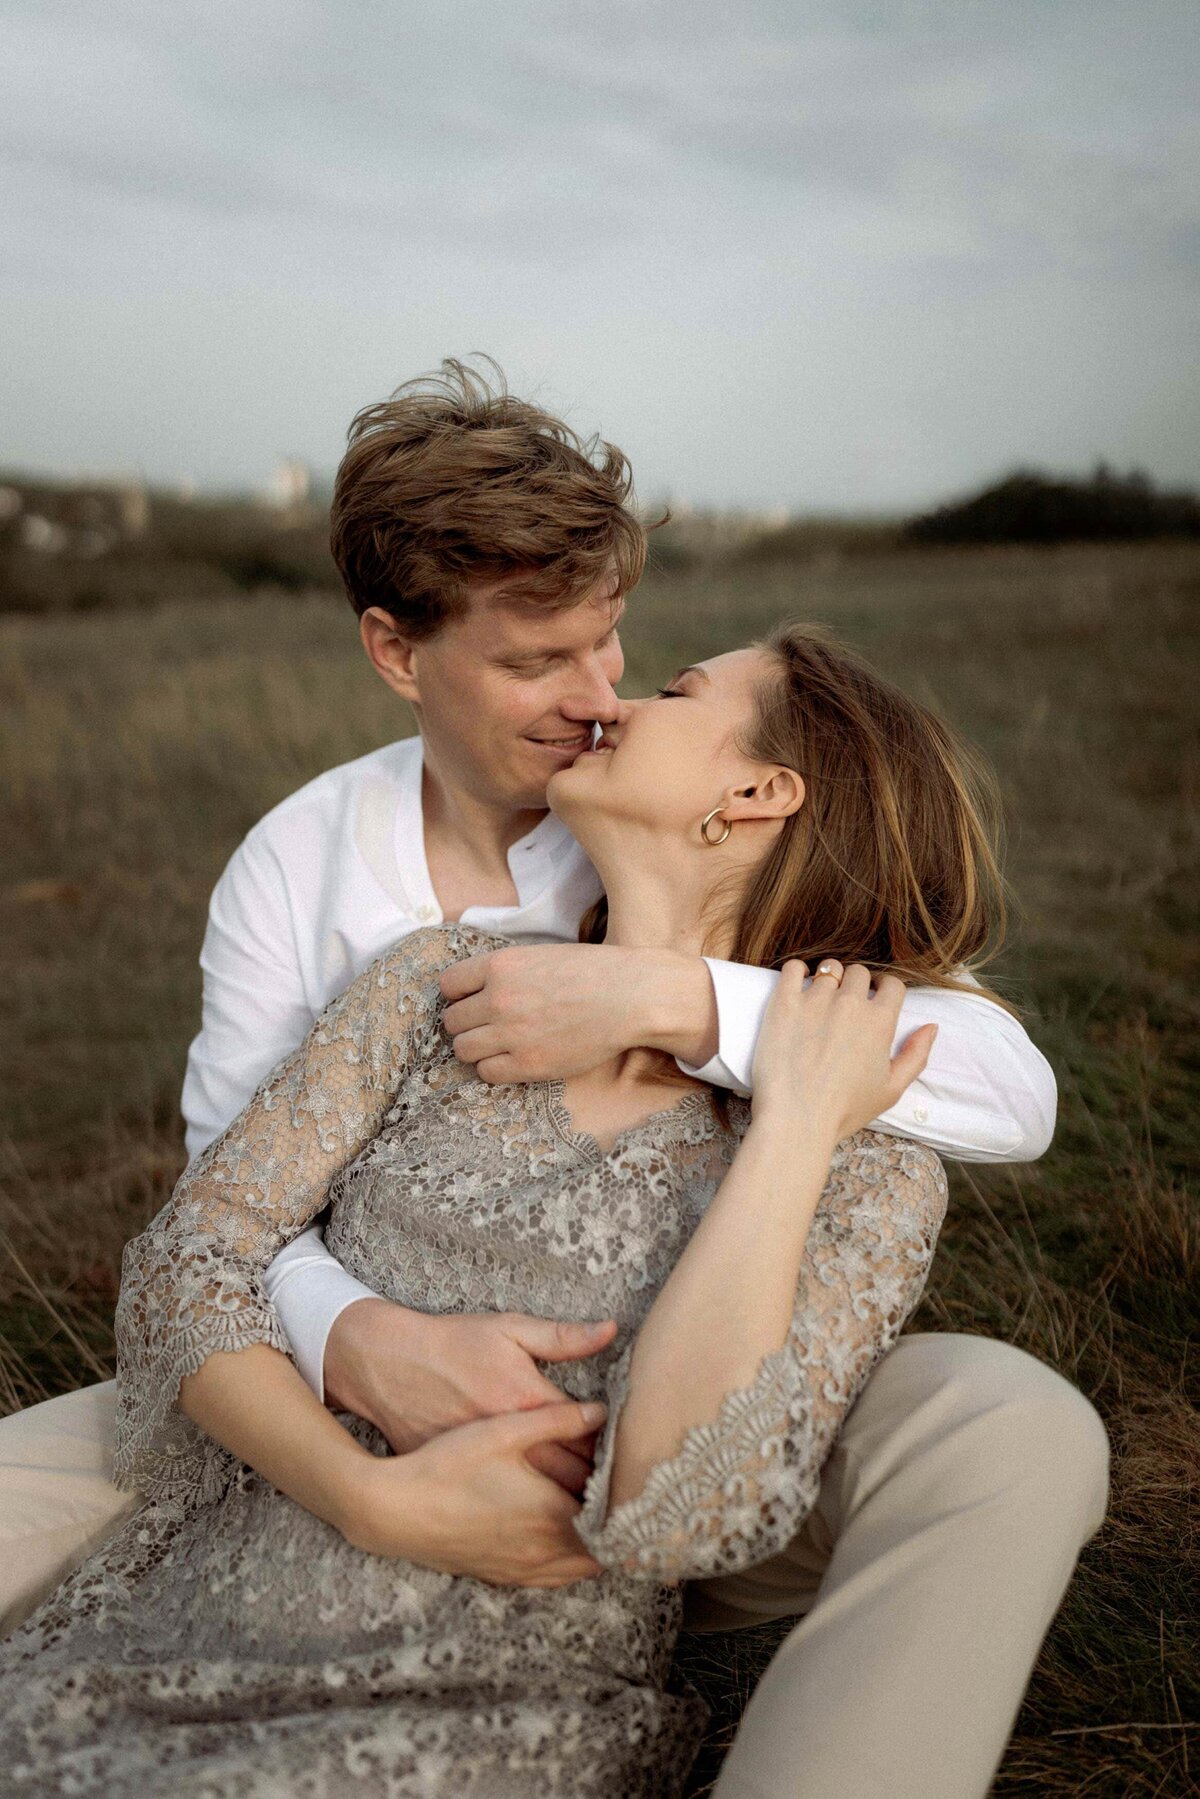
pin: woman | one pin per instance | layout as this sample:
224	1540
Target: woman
253	1629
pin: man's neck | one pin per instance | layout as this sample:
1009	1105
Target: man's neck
467	841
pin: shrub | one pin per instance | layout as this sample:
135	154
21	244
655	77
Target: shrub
1030	507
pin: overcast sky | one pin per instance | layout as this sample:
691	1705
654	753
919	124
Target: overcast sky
821	256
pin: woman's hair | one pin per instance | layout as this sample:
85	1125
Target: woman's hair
891	860
453	480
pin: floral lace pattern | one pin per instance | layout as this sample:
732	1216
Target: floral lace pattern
227	1642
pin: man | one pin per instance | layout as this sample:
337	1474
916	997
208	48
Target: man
488	556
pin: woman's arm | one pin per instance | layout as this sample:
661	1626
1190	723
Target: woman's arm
728	1302
194	1322
468	1503
256	1404
743	1368
192	1284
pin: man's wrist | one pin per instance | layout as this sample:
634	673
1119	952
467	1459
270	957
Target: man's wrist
677	1005
351	1352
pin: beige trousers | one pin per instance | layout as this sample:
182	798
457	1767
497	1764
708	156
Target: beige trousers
966	1479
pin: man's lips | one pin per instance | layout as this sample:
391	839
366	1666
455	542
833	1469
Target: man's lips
565	746
603	746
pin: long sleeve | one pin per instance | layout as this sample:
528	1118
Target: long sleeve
987	1094
192	1282
741	1485
310	1290
255	1009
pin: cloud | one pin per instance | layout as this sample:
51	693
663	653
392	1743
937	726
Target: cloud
810	189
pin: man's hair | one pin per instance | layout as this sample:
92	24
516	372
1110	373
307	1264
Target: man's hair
454	481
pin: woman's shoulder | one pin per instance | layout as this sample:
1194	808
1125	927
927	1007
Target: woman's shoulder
395	1005
407	975
434	947
404	979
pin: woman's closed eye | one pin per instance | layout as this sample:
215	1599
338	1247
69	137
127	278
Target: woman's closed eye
670	693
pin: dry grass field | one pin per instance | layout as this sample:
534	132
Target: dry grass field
138	747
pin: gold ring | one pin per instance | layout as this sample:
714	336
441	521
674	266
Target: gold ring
830	969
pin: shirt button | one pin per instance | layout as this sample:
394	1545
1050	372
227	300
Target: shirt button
921	1114
425	912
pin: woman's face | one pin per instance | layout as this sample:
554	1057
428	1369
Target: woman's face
668	760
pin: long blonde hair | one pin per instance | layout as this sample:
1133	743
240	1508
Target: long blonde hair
892	859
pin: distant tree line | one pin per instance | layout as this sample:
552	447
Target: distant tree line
79	547
75	547
1030	507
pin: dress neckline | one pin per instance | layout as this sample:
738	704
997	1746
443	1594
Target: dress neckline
584	1144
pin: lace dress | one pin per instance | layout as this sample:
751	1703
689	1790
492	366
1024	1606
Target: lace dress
227	1642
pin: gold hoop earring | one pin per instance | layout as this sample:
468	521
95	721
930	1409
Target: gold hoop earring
712	842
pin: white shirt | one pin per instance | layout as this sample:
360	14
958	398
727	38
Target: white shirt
337	874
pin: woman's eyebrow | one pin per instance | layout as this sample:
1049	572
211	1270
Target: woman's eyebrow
693	668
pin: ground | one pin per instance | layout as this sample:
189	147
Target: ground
139	746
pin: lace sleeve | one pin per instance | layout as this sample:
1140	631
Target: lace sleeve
741	1486
191	1283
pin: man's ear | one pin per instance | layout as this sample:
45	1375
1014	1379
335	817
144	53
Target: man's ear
778	794
392	656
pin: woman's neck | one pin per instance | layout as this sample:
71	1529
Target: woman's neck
649	911
663	911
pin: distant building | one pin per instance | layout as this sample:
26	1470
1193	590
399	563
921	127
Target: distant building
133	507
290	489
43	535
76	515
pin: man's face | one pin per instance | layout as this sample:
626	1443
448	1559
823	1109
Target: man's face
507	694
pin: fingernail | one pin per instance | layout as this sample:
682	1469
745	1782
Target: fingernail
594	1413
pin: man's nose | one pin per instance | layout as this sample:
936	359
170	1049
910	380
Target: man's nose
593	696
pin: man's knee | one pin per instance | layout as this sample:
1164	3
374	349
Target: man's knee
996	1412
57	1501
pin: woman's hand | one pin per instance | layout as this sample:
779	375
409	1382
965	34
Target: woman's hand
415	1374
468	1501
824	1058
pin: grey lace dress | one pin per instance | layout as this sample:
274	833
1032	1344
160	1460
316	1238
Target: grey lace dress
227	1642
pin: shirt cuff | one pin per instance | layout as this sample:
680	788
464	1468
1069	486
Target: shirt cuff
310	1290
743	994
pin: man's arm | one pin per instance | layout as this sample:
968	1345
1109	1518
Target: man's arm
987	1095
254	1013
536	1013
409	1375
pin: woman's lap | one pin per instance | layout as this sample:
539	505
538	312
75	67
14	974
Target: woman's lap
246	1634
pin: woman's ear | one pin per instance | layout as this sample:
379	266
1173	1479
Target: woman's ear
778	794
392	656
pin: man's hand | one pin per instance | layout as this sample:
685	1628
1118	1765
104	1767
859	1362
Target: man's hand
414	1375
547	1011
470	1503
